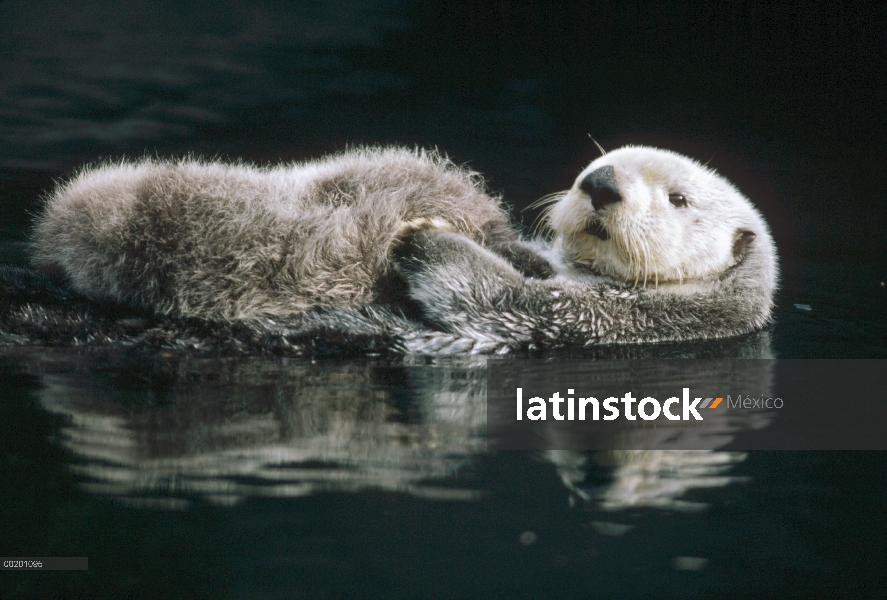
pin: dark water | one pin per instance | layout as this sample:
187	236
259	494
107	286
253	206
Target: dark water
256	478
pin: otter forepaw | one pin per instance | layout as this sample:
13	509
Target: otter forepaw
525	259
408	229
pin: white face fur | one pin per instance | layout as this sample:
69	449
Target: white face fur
649	216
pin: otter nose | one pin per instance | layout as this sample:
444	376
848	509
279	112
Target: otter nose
600	185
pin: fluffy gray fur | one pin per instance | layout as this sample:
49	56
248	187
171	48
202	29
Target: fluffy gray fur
234	241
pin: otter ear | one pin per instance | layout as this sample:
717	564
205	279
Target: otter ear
741	242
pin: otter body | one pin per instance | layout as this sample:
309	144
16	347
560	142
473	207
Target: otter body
648	246
235	241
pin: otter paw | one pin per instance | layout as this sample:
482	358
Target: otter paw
408	228
407	231
525	260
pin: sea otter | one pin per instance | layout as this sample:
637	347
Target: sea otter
647	246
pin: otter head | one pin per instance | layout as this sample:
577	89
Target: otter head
649	216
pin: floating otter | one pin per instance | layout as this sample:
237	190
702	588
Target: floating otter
648	246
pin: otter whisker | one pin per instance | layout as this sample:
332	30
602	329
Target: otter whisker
548	199
631	244
636	257
542	223
626	248
599	147
646	260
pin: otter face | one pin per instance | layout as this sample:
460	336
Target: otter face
649	216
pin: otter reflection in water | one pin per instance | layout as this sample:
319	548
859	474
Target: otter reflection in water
172	430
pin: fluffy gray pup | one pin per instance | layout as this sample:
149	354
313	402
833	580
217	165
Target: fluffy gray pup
191	238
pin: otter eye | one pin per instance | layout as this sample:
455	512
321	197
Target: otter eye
678	200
